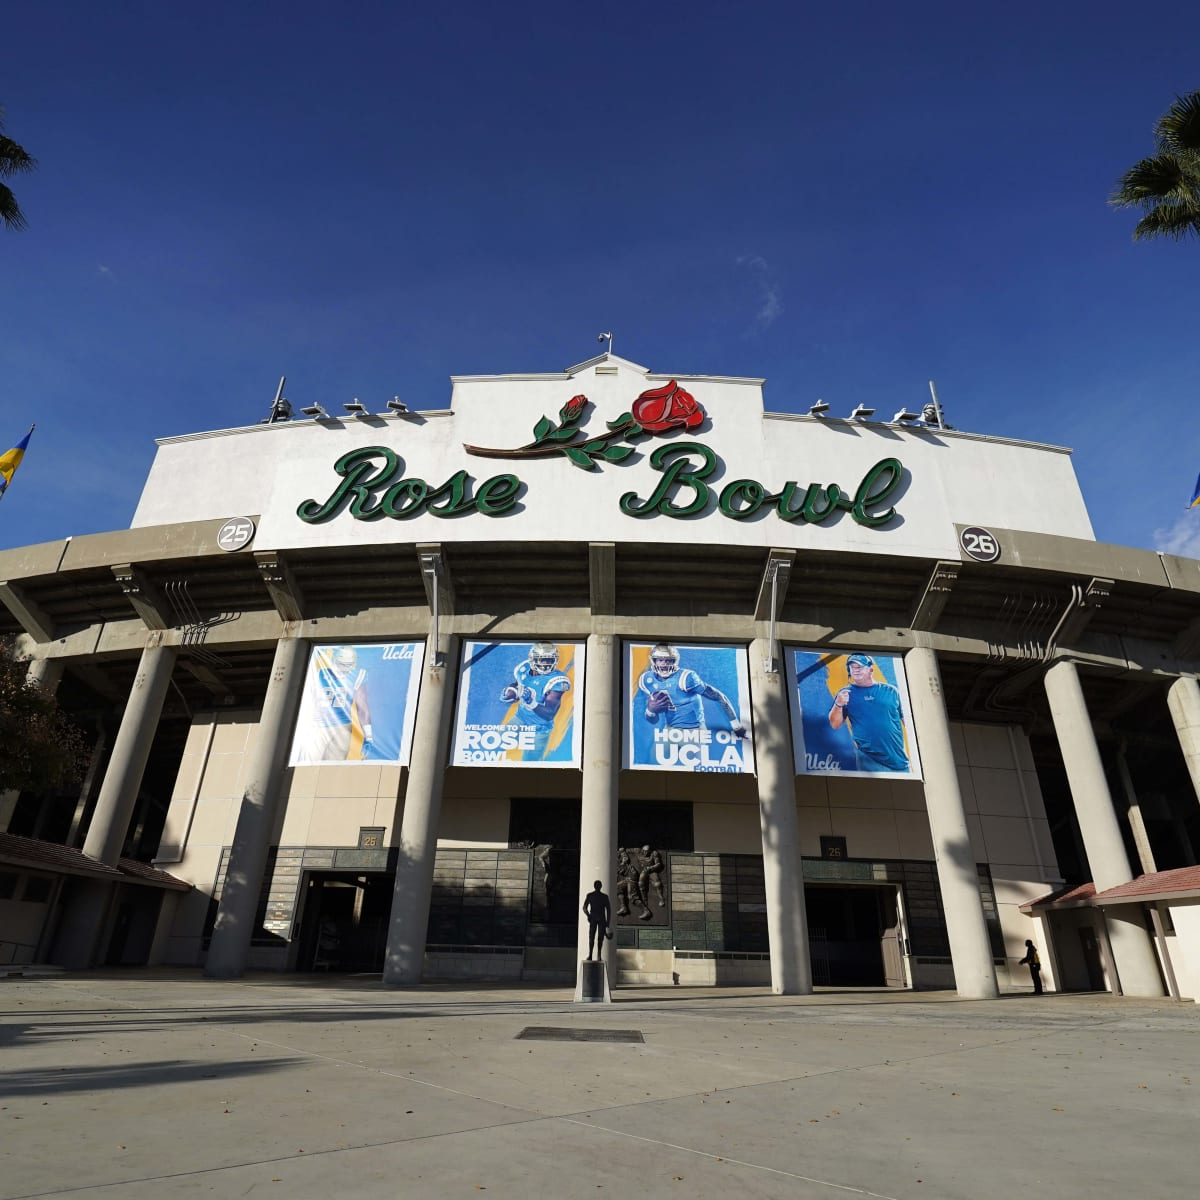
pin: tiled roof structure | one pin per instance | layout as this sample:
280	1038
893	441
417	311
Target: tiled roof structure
36	855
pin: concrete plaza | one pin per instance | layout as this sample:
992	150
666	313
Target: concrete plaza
160	1083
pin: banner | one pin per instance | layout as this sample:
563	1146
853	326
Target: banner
517	705
851	715
358	704
687	708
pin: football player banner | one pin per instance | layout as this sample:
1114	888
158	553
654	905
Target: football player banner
687	708
851	715
516	705
358	704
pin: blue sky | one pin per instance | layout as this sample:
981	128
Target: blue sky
848	200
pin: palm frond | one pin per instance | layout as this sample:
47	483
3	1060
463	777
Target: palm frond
14	158
1149	182
1168	220
1178	128
10	210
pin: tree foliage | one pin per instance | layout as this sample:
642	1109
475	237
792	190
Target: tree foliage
1166	186
40	749
14	160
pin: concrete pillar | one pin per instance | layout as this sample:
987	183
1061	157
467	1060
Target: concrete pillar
958	877
131	749
47	672
601	764
1133	951
783	878
409	924
257	815
1183	699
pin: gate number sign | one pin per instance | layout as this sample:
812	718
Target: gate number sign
979	544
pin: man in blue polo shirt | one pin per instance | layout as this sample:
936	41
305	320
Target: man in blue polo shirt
875	715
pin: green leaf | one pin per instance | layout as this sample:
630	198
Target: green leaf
542	429
579	458
561	435
634	429
617	452
593	447
625	418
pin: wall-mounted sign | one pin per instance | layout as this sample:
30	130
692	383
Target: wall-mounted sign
517	705
980	544
235	533
373	483
687	708
851	716
358	704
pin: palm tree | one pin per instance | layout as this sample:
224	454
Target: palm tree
13	158
1166	186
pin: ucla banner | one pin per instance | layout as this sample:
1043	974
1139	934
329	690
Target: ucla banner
358	704
851	715
517	705
687	708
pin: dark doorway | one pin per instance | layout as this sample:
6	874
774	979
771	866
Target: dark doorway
846	932
345	921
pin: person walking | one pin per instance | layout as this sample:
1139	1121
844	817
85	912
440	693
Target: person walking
1035	966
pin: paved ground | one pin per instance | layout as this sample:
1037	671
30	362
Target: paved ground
153	1084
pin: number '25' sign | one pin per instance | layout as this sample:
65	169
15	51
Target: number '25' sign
979	544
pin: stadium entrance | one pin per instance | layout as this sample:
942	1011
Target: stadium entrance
345	921
855	937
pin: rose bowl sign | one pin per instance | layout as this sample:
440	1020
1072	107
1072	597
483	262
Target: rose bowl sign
373	483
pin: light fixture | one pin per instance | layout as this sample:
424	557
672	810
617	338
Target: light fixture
861	413
396	405
314	410
819	409
904	416
355	409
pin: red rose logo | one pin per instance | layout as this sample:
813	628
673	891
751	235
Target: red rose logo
668	407
573	409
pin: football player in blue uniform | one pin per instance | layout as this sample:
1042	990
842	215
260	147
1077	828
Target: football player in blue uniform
538	689
876	718
340	704
675	695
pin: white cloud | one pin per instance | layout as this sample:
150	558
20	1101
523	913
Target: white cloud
1182	538
106	272
770	297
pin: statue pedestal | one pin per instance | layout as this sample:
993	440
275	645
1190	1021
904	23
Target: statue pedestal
592	985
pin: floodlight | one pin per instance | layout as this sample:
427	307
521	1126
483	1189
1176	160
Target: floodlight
819	409
314	410
904	415
355	409
861	413
396	405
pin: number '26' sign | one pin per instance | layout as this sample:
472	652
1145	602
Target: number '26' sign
979	544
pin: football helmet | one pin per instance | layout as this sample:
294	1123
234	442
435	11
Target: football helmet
543	658
345	658
664	660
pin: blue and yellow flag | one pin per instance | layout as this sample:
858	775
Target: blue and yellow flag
1195	495
10	460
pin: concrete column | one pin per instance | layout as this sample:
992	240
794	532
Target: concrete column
1133	951
958	878
1183	699
47	672
131	749
257	815
783	878
409	924
601	764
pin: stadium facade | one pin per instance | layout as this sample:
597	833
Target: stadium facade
845	701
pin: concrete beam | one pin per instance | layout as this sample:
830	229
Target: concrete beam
281	584
777	572
205	675
928	610
142	595
33	619
602	576
1094	596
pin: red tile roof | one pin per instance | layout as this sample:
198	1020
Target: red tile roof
1073	894
1179	882
36	855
